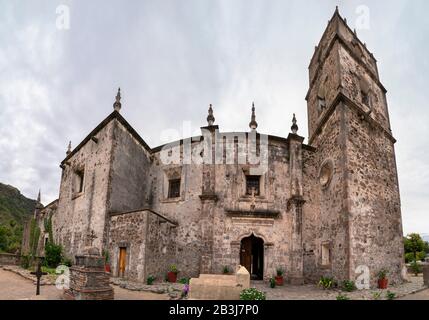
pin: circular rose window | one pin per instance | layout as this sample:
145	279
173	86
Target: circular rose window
326	172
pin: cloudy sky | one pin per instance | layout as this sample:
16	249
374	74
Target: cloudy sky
172	58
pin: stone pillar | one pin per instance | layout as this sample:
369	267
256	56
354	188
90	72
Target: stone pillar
296	254
88	280
294	207
208	198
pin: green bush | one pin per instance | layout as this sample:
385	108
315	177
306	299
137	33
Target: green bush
376	295
150	280
184	280
280	272
252	294
66	261
26	261
327	283
342	297
348	286
272	283
53	255
390	295
225	270
416	268
409	257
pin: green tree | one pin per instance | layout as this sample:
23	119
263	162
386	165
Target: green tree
414	244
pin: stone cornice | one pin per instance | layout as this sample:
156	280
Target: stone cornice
341	97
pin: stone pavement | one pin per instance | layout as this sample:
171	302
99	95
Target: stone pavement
14	286
313	292
422	295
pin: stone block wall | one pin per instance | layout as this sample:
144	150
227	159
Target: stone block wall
150	242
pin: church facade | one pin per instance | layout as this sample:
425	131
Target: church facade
327	208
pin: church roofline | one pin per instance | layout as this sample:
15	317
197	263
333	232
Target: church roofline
198	139
114	115
144	209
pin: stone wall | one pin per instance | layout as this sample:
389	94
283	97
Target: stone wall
375	208
9	259
149	240
80	218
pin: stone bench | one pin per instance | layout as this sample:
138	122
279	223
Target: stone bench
219	287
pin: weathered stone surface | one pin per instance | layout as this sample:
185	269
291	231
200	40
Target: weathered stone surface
329	208
219	287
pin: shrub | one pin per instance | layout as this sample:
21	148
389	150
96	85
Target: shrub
326	282
390	295
225	270
272	283
280	272
53	255
409	257
184	280
376	295
252	294
150	280
416	268
26	261
342	297
348	286
66	261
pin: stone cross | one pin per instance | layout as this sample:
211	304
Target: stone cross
38	275
91	237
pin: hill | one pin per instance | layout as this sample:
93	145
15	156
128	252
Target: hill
15	210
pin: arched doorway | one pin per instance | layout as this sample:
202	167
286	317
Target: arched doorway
252	256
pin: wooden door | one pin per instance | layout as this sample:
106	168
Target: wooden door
246	254
122	260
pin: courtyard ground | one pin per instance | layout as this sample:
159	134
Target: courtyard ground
17	284
15	287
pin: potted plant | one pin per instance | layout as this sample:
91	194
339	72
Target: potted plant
172	274
279	277
106	261
382	279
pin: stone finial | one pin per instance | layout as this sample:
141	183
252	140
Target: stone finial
336	9
253	124
68	148
294	127
117	105
39	201
210	117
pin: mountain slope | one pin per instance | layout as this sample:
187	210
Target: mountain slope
14	206
15	210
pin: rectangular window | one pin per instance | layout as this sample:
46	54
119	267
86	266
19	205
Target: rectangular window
326	252
79	175
174	188
322	105
252	185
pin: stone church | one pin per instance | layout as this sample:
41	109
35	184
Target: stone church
221	199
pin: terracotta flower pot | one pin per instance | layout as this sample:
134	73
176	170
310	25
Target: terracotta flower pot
107	267
279	280
382	283
172	277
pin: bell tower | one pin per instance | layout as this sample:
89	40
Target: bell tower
359	222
